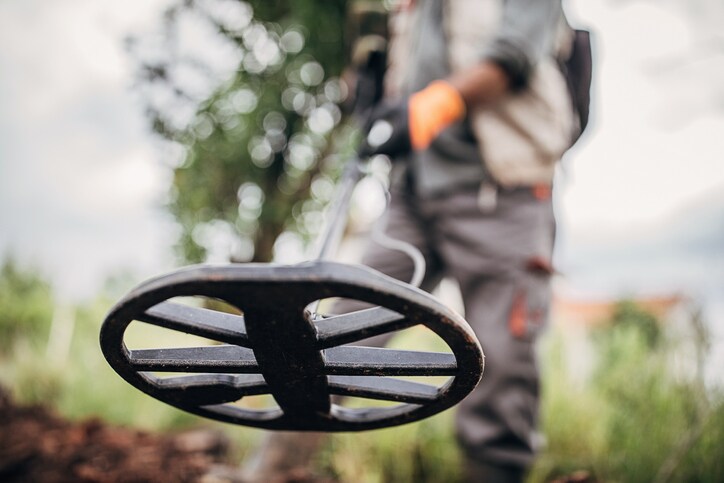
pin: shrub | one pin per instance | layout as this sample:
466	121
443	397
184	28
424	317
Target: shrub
26	305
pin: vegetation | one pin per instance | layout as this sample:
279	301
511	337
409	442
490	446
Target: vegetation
632	419
260	124
25	305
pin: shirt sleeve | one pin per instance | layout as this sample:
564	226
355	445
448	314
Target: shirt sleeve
526	34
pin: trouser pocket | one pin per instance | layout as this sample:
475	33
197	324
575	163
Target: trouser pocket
531	300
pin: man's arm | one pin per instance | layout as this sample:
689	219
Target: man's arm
526	34
481	84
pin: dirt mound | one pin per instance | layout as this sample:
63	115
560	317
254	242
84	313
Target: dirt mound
39	446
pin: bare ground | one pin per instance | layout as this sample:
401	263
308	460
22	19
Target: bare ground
37	445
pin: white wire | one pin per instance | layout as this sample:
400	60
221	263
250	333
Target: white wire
381	238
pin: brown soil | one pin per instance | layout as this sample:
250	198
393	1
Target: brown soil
39	446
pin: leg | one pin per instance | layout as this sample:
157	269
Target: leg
499	260
496	423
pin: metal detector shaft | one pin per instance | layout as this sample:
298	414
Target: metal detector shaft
336	213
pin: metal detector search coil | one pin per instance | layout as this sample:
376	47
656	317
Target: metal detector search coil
281	347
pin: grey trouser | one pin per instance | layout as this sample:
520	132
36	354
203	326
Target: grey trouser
500	259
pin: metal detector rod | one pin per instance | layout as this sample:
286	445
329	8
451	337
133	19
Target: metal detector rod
336	213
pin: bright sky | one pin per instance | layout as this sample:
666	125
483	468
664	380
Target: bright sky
656	142
80	180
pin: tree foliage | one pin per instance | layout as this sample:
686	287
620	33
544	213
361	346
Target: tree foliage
250	90
630	316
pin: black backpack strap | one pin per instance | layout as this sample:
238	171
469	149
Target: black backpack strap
578	70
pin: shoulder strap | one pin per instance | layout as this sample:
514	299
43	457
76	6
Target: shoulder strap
578	70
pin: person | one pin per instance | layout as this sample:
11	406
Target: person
475	115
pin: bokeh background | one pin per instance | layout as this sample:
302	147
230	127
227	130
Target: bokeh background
118	119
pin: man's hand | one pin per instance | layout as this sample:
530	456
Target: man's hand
412	124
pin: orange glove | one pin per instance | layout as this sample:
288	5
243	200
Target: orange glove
397	128
432	110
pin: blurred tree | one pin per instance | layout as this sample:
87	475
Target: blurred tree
627	320
250	90
628	315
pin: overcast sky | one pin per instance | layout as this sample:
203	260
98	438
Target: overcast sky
656	141
81	184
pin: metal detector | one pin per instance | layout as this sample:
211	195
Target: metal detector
281	346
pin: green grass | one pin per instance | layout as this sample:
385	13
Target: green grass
631	418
